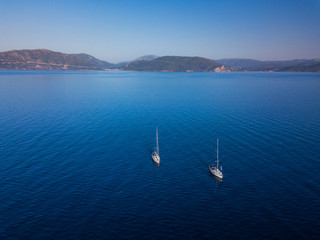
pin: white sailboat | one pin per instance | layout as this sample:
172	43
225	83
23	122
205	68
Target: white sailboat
215	169
155	154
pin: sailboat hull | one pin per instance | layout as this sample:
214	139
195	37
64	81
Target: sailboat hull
156	157
216	172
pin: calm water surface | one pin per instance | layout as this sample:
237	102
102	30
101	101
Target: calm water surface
75	155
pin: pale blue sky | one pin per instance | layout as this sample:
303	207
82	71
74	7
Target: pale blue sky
123	30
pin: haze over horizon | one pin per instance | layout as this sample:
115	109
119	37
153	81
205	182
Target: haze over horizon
118	31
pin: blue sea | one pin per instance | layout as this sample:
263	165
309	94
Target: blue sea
75	155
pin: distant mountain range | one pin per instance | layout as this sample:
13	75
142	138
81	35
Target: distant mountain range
143	58
43	59
297	65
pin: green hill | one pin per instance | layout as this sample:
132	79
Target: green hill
312	65
175	64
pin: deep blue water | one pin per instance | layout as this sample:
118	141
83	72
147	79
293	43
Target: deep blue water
75	155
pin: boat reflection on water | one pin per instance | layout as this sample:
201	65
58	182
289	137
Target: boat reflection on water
156	164
217	178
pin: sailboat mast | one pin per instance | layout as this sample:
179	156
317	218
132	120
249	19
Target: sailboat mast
157	140
217	152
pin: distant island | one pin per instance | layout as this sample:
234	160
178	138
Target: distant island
176	64
43	59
